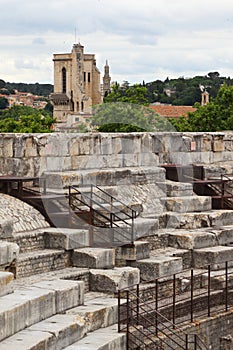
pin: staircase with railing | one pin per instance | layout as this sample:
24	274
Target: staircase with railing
111	222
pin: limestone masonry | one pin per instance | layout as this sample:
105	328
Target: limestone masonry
57	289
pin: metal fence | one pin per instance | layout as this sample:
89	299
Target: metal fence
154	313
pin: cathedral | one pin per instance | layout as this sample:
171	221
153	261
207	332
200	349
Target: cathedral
77	85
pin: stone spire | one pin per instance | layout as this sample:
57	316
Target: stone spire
106	80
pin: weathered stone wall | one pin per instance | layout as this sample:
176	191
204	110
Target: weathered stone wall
33	154
216	331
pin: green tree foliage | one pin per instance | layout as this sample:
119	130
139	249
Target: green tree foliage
23	119
135	94
126	117
185	91
215	116
3	103
35	89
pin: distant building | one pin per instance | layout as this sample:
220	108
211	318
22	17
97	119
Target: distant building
169	111
205	98
77	85
25	99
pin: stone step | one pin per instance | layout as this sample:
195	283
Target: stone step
213	218
192	239
96	313
68	273
6	283
101	339
38	302
184	254
200	238
214	256
42	261
66	238
93	258
158	266
136	251
28	241
103	177
54	333
9	253
110	281
187	204
178	189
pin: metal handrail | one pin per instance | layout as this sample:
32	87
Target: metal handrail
180	305
90	202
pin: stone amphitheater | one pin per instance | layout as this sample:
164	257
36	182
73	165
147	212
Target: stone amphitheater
57	289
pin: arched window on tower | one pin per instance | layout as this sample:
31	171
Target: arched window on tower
63	80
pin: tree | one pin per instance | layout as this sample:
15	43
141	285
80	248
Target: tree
126	117
215	116
3	103
135	94
23	119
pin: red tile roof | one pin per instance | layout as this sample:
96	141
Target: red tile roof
169	111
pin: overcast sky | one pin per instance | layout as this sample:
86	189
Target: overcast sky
142	40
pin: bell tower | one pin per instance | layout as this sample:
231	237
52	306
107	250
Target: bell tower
106	80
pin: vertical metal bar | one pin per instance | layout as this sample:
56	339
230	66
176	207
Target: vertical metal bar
137	304
191	296
119	311
226	286
174	301
132	230
127	321
156	306
186	342
195	342
209	290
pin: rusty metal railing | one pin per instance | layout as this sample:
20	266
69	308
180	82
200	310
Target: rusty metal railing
156	313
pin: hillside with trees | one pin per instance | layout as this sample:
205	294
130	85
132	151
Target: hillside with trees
185	91
35	89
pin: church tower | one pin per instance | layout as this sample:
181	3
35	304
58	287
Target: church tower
76	84
106	80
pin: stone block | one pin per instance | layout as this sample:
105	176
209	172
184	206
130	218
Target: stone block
94	258
24	308
225	235
56	332
6	228
8	252
160	266
214	256
187	204
102	339
97	313
145	227
178	189
191	239
136	251
67	239
6	283
68	294
113	280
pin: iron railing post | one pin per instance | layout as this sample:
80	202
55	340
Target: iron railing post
226	286
174	301
127	320
156	306
119	311
137	304
191	296
209	290
186	342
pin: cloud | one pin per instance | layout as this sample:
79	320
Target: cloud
142	40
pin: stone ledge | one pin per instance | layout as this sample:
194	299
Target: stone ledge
113	280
